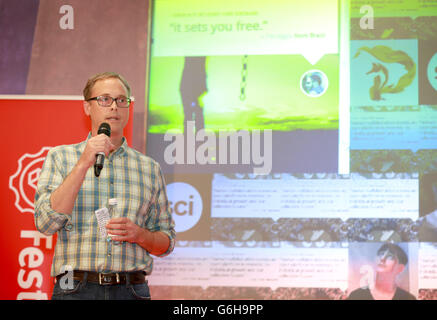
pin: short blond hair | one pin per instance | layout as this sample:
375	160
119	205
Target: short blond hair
102	76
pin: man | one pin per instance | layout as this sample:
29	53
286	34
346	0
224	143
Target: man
391	261
192	87
69	193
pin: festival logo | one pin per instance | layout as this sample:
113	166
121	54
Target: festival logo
24	181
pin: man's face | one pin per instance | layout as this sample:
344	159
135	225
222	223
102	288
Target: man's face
116	117
387	262
308	83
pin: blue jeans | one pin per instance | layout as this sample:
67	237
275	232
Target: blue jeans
83	290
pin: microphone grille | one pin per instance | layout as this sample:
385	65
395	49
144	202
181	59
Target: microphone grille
104	128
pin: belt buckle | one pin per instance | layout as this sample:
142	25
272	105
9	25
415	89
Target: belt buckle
104	276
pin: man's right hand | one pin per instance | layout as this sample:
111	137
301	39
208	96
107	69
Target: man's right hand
95	145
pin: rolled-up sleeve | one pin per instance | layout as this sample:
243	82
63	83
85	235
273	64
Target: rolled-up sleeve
160	218
47	220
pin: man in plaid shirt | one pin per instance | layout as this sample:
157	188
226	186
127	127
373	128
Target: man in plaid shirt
87	265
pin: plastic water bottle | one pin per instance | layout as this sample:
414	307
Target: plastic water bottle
112	208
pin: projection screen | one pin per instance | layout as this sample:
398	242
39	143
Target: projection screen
296	137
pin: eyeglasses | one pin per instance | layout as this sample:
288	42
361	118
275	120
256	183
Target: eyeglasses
106	101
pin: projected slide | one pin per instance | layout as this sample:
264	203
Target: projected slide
343	96
393	88
244	65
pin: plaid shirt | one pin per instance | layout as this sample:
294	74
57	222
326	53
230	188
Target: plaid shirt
134	179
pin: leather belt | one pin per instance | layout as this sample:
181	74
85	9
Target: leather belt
136	277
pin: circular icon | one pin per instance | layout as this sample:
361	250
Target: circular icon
314	83
185	205
432	71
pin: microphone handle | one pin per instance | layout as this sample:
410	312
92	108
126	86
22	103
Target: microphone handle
98	166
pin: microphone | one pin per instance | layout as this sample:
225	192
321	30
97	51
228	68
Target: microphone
100	157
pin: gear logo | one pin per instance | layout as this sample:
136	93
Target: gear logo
23	182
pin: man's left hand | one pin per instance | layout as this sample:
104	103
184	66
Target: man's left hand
124	229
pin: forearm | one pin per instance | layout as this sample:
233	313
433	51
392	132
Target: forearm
63	198
155	243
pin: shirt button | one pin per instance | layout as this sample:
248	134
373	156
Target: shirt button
68	227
